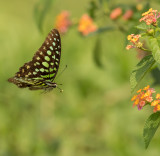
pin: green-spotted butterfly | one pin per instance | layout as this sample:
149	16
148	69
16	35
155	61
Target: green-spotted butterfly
41	71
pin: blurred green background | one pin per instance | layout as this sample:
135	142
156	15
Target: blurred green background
93	116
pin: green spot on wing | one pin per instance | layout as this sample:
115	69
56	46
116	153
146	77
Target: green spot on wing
44	76
53	57
54	43
49	52
38	63
51	75
37	70
47	58
51	69
51	47
37	78
45	64
42	69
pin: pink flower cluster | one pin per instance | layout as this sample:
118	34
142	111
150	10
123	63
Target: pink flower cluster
144	96
86	25
134	39
63	22
150	17
117	12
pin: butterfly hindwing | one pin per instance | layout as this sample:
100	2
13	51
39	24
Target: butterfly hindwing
44	64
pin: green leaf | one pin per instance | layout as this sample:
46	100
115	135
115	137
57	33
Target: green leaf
150	127
92	8
140	70
143	27
97	52
155	49
40	11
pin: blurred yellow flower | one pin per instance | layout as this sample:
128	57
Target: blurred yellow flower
116	13
128	14
134	97
63	22
139	90
146	88
86	25
139	7
155	102
156	108
129	37
158	96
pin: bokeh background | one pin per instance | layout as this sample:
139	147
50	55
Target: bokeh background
94	114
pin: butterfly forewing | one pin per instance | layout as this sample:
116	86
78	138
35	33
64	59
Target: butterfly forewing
44	64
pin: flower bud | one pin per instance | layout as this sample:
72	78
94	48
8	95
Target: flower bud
150	32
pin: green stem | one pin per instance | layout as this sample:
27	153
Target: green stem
144	49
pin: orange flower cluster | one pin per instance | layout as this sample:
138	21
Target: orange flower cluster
156	103
139	7
145	97
63	22
115	13
128	14
150	17
134	39
86	25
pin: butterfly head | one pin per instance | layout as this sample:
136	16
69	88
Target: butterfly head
53	85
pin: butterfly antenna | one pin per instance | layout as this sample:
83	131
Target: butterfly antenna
62	72
61	90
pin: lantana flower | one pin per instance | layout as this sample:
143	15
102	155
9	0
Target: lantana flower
150	17
134	39
139	7
116	13
86	25
144	97
128	14
156	103
63	22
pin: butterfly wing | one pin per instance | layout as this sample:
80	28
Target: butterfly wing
44	65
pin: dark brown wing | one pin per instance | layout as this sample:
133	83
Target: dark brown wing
45	62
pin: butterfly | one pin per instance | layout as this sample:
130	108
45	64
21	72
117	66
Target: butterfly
39	73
